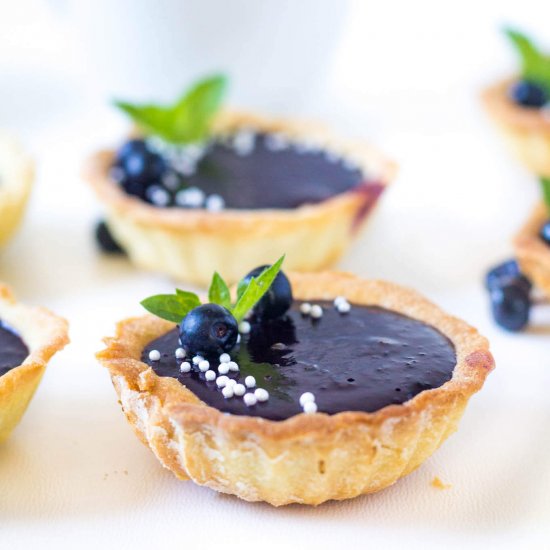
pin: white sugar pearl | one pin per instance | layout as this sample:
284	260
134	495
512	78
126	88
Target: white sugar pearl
310	407
339	300
316	311
249	399
305	308
244	327
225	358
214	203
223	368
238	338
180	353
231	382
343	307
154	355
221	381
306	397
171	181
197	359
192	197
244	142
250	381
239	389
185	366
204	366
228	392
233	367
261	394
276	142
158	195
210	375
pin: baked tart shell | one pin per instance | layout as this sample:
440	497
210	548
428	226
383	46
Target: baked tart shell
16	179
191	244
526	131
532	253
44	334
308	458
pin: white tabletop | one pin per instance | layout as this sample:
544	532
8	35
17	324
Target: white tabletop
73	475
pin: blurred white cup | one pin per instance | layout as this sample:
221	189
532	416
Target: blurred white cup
276	52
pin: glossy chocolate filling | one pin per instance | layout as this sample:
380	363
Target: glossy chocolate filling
360	361
13	351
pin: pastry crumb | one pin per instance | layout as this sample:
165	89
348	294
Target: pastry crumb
438	484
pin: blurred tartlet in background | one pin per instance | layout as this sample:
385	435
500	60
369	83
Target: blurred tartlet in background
520	106
199	187
16	180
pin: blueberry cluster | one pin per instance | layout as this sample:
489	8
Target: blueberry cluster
510	292
528	94
144	171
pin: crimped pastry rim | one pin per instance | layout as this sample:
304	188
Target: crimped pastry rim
43	332
474	362
503	109
366	156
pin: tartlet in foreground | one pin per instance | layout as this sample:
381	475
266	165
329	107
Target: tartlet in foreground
252	189
16	179
275	446
29	337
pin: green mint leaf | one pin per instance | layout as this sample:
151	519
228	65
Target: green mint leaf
186	121
218	292
254	291
192	115
545	183
535	65
172	307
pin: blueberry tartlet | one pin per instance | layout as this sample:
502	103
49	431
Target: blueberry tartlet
329	387
29	337
519	106
532	246
16	179
198	188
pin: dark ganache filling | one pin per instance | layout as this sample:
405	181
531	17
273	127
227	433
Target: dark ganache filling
244	171
13	351
361	361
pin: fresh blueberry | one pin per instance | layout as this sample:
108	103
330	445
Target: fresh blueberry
208	330
277	300
511	306
105	240
505	273
137	167
545	233
528	94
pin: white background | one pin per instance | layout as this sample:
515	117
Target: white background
405	75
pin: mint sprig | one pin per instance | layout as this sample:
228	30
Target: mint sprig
174	307
545	184
188	120
535	65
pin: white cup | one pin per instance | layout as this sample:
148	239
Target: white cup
275	52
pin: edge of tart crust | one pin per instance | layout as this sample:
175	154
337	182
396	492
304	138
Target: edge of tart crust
527	131
308	458
532	252
193	245
16	179
44	334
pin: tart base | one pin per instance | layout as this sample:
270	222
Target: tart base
45	334
16	179
305	459
526	131
532	253
191	244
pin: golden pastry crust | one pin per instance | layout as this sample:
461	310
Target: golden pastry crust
44	334
309	458
532	253
16	179
191	244
527	131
